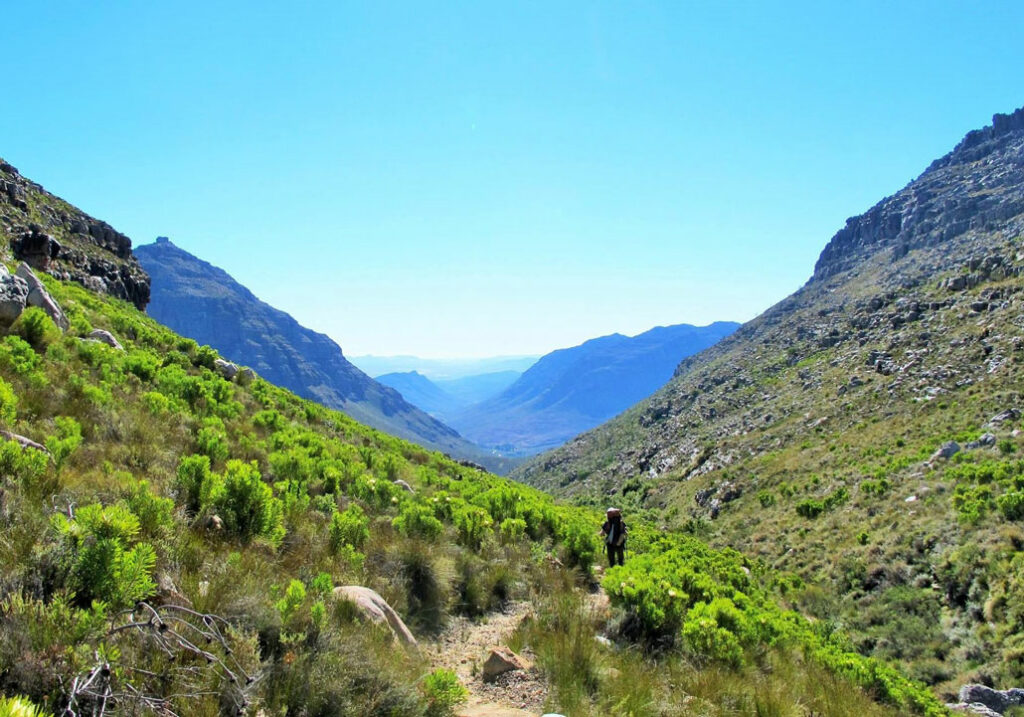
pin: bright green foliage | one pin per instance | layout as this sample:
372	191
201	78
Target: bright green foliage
194	481
24	466
472	524
294	596
19	707
512	530
417	521
246	504
211	440
36	328
142	364
107	563
1011	505
8	403
444	691
972	503
349	527
155	514
17	355
718	631
65	441
581	542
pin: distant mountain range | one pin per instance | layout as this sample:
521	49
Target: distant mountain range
203	302
572	390
442	369
444	399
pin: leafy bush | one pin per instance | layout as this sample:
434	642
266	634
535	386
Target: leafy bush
1011	505
36	328
194	481
350	527
66	440
246	504
107	563
8	403
19	707
417	521
443	691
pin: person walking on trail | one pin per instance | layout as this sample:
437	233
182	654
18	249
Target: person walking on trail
614	531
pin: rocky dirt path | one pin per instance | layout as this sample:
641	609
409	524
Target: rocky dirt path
464	646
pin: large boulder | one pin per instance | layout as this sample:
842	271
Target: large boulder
40	297
995	700
375	608
13	296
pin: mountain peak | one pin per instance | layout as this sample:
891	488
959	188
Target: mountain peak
958	194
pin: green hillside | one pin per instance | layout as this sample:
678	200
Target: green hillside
176	551
808	439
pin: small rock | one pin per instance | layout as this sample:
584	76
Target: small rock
105	337
225	368
947	450
246	376
910	499
1010	414
502	660
214	522
404	486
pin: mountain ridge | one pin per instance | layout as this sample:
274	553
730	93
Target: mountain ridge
204	302
575	388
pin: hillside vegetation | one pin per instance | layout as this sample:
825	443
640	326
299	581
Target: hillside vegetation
865	432
176	548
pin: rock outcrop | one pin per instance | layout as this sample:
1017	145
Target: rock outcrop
38	296
50	235
502	660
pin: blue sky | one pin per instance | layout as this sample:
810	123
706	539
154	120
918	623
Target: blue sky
484	178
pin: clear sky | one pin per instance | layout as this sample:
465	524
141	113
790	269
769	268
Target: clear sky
481	178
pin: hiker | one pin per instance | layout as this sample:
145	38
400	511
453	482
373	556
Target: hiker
614	531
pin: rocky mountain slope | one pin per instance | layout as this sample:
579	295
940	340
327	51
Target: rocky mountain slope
204	303
863	432
53	236
571	390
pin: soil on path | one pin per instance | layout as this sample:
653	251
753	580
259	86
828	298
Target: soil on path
464	646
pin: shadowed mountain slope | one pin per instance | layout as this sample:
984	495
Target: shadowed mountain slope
204	303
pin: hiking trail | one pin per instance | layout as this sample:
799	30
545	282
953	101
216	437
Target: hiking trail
463	647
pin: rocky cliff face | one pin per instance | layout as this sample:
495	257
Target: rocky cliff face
977	187
52	236
205	303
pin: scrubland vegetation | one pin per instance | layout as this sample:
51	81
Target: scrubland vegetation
177	547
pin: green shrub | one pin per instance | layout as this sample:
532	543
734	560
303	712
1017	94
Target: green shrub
444	692
810	508
246	504
766	499
19	707
66	440
107	562
193	481
17	355
512	530
1011	505
350	527
36	328
417	521
8	403
211	439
